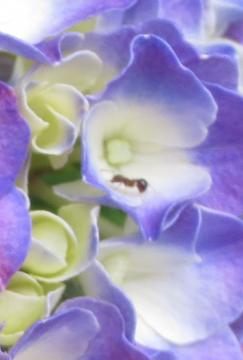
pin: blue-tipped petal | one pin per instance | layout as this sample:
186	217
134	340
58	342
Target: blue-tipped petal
155	75
156	111
110	341
222	153
65	336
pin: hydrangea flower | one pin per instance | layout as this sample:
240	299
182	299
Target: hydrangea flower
223	166
184	287
153	89
122	130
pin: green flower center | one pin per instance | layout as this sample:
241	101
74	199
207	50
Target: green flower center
118	151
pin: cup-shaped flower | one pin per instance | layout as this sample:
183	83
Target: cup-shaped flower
24	302
137	139
221	152
62	246
184	287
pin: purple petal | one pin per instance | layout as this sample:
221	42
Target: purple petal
4	356
223	346
202	62
164	356
227	73
140	12
34	23
186	14
96	283
235	31
113	48
237	327
23	24
21	48
65	336
56	47
155	74
220	248
229	20
184	234
186	303
110	341
222	153
14	139
154	87
167	31
15	234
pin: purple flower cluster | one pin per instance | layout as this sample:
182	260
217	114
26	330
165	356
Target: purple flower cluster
150	93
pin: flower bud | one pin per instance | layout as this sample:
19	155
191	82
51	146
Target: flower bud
51	100
61	244
24	302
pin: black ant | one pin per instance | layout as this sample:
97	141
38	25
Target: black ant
140	184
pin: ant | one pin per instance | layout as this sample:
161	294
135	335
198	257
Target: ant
140	184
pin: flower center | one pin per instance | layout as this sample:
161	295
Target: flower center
118	151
